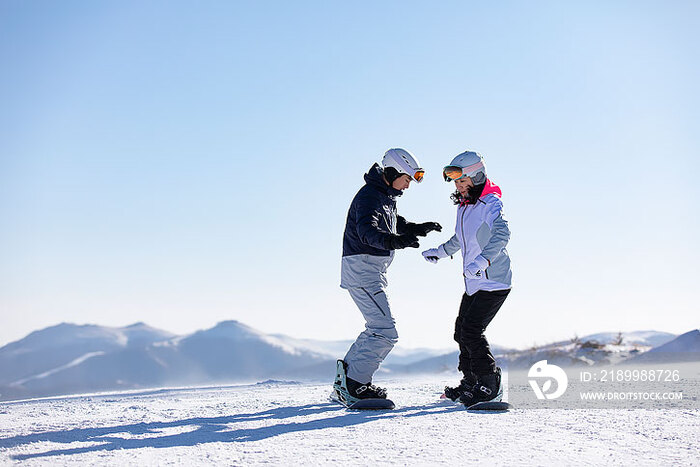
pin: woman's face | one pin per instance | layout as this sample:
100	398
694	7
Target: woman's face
463	185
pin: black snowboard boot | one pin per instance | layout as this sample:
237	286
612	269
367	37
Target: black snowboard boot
365	391
467	382
487	389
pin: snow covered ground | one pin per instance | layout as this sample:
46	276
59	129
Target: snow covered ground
289	423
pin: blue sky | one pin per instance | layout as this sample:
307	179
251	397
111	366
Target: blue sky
182	163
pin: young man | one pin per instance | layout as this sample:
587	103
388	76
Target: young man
372	232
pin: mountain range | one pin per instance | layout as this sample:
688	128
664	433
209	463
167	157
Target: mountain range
70	358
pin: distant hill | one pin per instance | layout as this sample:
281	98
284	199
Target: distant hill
648	338
684	348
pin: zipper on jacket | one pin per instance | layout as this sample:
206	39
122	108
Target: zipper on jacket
464	239
461	227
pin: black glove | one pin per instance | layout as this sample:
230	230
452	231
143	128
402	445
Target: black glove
423	229
397	242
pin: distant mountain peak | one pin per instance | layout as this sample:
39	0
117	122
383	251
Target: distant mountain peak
233	324
230	328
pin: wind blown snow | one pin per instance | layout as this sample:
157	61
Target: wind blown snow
45	374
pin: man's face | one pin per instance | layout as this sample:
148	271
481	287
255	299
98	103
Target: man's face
463	185
402	182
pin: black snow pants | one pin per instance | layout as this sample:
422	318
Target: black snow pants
475	313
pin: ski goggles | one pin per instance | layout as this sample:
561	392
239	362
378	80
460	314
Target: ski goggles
454	172
418	176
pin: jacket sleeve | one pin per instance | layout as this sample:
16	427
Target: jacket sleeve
451	246
402	225
500	232
368	230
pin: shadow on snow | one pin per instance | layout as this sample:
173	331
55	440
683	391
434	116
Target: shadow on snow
211	429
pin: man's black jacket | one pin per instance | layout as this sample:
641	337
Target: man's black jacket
372	217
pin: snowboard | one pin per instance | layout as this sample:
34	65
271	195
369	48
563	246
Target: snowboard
492	406
372	404
363	404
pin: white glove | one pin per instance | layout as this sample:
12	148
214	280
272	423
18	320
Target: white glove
431	255
434	254
474	270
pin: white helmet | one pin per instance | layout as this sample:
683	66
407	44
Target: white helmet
468	164
404	163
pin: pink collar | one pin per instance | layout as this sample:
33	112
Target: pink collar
489	188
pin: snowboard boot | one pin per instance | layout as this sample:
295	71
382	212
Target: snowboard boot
467	382
348	391
488	388
365	390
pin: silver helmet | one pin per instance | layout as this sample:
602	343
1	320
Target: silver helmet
404	163
468	164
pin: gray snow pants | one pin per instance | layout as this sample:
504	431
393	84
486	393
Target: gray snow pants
376	341
363	276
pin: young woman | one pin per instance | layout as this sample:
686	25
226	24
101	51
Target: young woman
481	234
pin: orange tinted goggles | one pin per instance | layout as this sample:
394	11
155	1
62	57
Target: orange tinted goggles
418	176
452	172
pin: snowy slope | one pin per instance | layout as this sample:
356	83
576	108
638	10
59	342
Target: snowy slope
283	424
